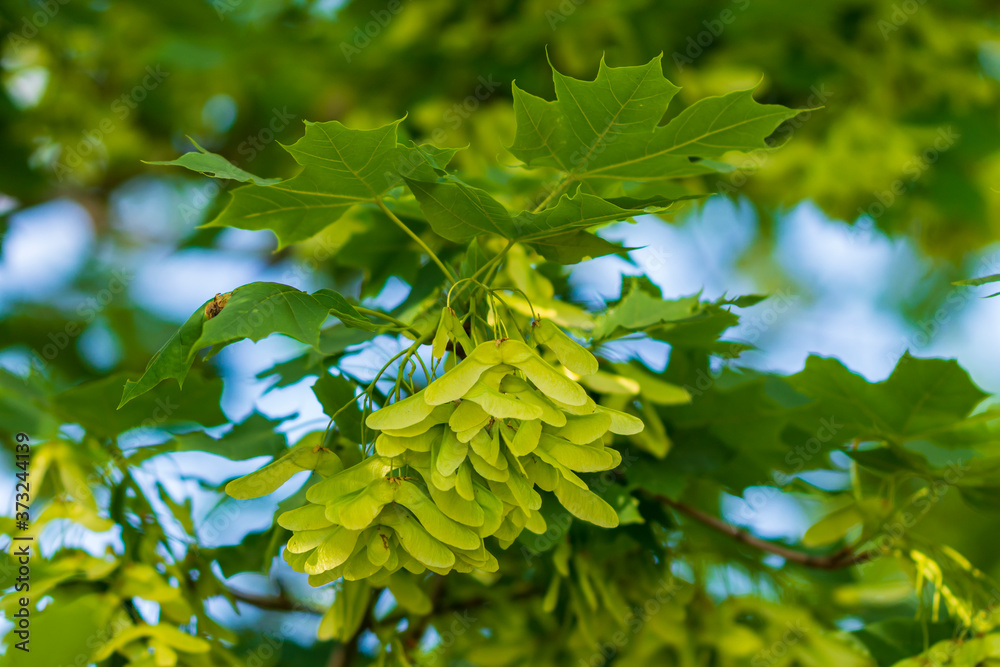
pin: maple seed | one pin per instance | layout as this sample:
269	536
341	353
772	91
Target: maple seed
215	306
478	439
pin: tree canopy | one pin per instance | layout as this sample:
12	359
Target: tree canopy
403	432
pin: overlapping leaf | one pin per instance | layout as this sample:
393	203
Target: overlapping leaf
589	115
685	321
921	397
606	131
459	213
254	311
93	405
255	436
342	168
575	247
573	213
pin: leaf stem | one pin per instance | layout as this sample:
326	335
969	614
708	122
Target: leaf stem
371	387
492	272
552	193
423	366
493	260
472	280
334	416
437	260
387	318
407	352
531	307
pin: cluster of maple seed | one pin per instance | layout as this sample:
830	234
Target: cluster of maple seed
459	461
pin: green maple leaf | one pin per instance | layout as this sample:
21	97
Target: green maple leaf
577	246
920	398
605	132
743	416
641	308
588	115
341	168
255	436
254	311
732	429
686	321
93	405
459	213
570	213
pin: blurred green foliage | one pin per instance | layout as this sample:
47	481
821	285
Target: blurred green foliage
898	133
904	85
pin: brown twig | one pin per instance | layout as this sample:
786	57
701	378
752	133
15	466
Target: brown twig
420	627
278	602
844	558
343	655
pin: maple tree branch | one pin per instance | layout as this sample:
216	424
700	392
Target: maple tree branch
450	606
420	626
279	602
846	557
343	655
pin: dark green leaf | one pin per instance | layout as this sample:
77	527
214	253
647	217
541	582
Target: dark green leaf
342	168
575	247
459	212
255	436
605	131
682	322
253	311
93	405
570	213
337	396
920	397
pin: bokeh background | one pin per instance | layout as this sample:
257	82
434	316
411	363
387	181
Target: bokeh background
857	224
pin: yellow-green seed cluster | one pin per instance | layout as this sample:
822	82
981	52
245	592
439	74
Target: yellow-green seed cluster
459	462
